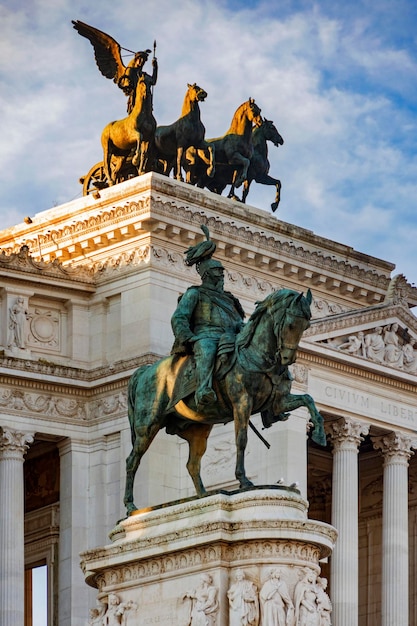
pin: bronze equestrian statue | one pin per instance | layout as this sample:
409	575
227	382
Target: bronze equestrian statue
250	373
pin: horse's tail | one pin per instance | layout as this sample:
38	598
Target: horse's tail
131	399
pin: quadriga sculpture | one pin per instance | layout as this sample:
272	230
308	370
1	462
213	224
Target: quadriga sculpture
179	393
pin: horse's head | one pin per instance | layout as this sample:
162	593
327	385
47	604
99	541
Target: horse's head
254	112
290	326
271	133
275	327
196	93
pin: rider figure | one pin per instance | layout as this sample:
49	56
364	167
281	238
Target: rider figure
134	71
203	315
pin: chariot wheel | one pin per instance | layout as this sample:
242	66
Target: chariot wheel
95	180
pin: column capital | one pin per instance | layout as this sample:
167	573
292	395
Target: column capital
13	442
395	447
346	433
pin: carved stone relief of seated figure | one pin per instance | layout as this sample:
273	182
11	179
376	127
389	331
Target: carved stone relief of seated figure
386	345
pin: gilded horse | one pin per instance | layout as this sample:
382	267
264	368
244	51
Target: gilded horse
259	164
134	132
254	379
187	132
233	151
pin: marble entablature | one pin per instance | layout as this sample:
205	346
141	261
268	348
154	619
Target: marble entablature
93	231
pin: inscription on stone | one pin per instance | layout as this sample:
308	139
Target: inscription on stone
363	403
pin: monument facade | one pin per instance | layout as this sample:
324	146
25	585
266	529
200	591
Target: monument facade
88	291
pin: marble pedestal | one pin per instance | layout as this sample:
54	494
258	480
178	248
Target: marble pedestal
166	563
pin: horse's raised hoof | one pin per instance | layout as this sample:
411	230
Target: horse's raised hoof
319	437
274	206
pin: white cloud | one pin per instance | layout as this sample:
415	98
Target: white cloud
348	165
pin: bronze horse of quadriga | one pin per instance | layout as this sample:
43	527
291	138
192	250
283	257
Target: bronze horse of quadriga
259	164
134	133
255	379
232	151
187	132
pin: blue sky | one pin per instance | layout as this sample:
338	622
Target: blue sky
338	79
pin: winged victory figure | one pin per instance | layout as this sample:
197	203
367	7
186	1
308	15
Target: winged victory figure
107	53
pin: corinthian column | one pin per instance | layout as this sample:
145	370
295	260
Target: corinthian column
396	449
346	436
13	446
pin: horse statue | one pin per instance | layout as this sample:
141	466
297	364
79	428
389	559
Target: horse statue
133	133
259	164
188	131
253	378
233	151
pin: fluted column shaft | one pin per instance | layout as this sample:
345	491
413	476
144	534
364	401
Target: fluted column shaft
346	436
396	449
13	446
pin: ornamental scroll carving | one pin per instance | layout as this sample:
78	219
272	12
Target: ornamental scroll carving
110	405
54	406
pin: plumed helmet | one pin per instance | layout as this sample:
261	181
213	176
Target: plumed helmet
208	264
202	251
143	54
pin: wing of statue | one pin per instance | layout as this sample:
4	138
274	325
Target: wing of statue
106	50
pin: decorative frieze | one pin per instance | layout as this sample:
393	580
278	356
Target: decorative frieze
58	407
109	406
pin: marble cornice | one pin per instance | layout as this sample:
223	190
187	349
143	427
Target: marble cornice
272	239
218	531
359	317
60	374
23	262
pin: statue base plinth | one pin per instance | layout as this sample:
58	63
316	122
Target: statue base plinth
158	555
